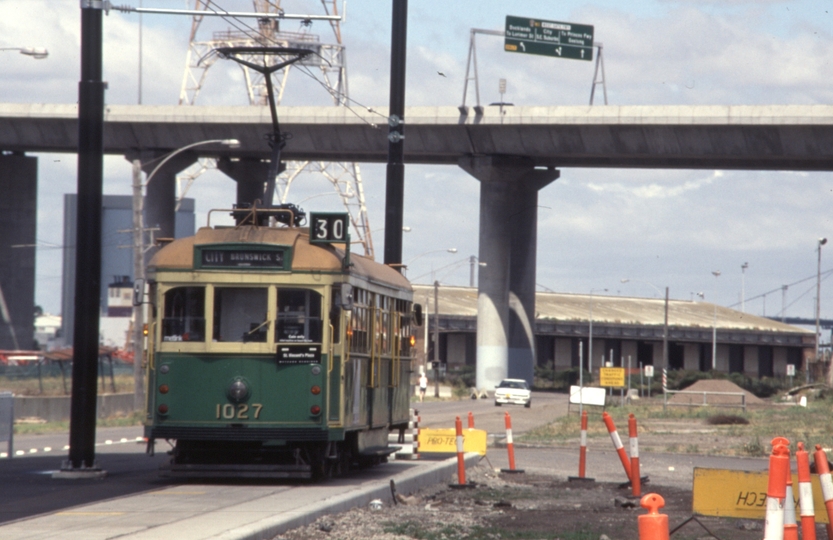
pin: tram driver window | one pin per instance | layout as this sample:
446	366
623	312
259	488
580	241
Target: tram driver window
184	317
240	314
299	316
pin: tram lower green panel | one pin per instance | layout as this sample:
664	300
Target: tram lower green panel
206	389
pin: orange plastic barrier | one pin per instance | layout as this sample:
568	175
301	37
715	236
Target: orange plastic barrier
582	453
471	420
653	525
790	525
510	446
823	470
461	462
633	441
805	494
776	493
617	443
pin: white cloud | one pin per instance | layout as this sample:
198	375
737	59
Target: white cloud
668	227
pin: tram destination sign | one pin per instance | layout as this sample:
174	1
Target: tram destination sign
299	354
241	258
548	38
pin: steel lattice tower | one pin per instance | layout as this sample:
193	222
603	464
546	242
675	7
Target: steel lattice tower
330	60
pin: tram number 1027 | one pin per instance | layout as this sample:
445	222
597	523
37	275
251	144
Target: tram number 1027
328	227
241	411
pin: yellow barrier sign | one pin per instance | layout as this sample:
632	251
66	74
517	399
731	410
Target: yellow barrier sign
742	494
612	377
445	441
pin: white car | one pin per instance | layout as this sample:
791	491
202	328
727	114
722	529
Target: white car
513	391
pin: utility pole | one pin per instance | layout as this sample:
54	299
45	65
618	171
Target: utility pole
822	241
88	259
138	274
395	179
665	334
436	339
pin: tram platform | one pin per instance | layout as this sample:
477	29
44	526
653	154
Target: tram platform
132	502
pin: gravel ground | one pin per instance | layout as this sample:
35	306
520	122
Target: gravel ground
529	506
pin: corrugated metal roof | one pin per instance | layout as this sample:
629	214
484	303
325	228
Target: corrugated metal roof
624	310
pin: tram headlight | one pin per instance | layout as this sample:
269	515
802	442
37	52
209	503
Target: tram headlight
238	391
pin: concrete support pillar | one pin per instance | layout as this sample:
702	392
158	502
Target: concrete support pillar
506	292
160	192
18	226
251	176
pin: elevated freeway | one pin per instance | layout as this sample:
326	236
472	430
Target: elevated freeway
513	151
782	137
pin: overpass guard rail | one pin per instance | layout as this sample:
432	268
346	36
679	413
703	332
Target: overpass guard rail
705	403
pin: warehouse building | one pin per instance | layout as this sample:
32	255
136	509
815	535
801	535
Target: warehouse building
624	329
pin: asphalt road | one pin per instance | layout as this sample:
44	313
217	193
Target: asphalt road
546	407
29	490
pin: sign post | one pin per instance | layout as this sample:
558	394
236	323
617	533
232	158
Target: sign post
548	38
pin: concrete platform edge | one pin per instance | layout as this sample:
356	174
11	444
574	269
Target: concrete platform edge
406	484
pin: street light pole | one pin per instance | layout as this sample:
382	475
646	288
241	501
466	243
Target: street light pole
139	254
715	273
821	242
743	268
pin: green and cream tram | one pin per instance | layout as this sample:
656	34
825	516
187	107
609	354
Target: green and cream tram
269	354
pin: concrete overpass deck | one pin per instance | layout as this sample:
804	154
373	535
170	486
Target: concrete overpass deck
777	137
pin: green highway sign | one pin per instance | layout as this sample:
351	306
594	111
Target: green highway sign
548	38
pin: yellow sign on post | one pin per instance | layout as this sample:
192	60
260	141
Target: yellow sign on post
742	494
612	377
444	441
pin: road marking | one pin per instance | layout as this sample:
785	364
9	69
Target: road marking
108	442
178	493
89	514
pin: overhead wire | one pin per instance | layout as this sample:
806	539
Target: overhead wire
255	34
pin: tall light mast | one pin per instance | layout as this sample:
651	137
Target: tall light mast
330	60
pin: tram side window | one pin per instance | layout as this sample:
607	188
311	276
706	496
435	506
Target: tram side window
299	316
184	315
240	314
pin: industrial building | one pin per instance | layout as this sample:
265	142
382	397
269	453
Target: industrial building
116	254
624	329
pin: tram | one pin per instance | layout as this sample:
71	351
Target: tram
272	351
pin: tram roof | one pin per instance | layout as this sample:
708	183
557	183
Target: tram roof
179	254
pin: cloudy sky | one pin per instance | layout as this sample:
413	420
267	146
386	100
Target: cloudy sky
596	226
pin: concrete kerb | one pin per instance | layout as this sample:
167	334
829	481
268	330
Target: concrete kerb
406	483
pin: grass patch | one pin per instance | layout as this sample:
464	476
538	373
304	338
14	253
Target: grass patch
753	430
134	419
58	386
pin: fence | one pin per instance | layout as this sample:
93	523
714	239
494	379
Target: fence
705	402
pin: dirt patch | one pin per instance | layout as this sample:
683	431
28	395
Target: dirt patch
507	506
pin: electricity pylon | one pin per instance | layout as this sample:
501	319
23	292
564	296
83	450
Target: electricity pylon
329	59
